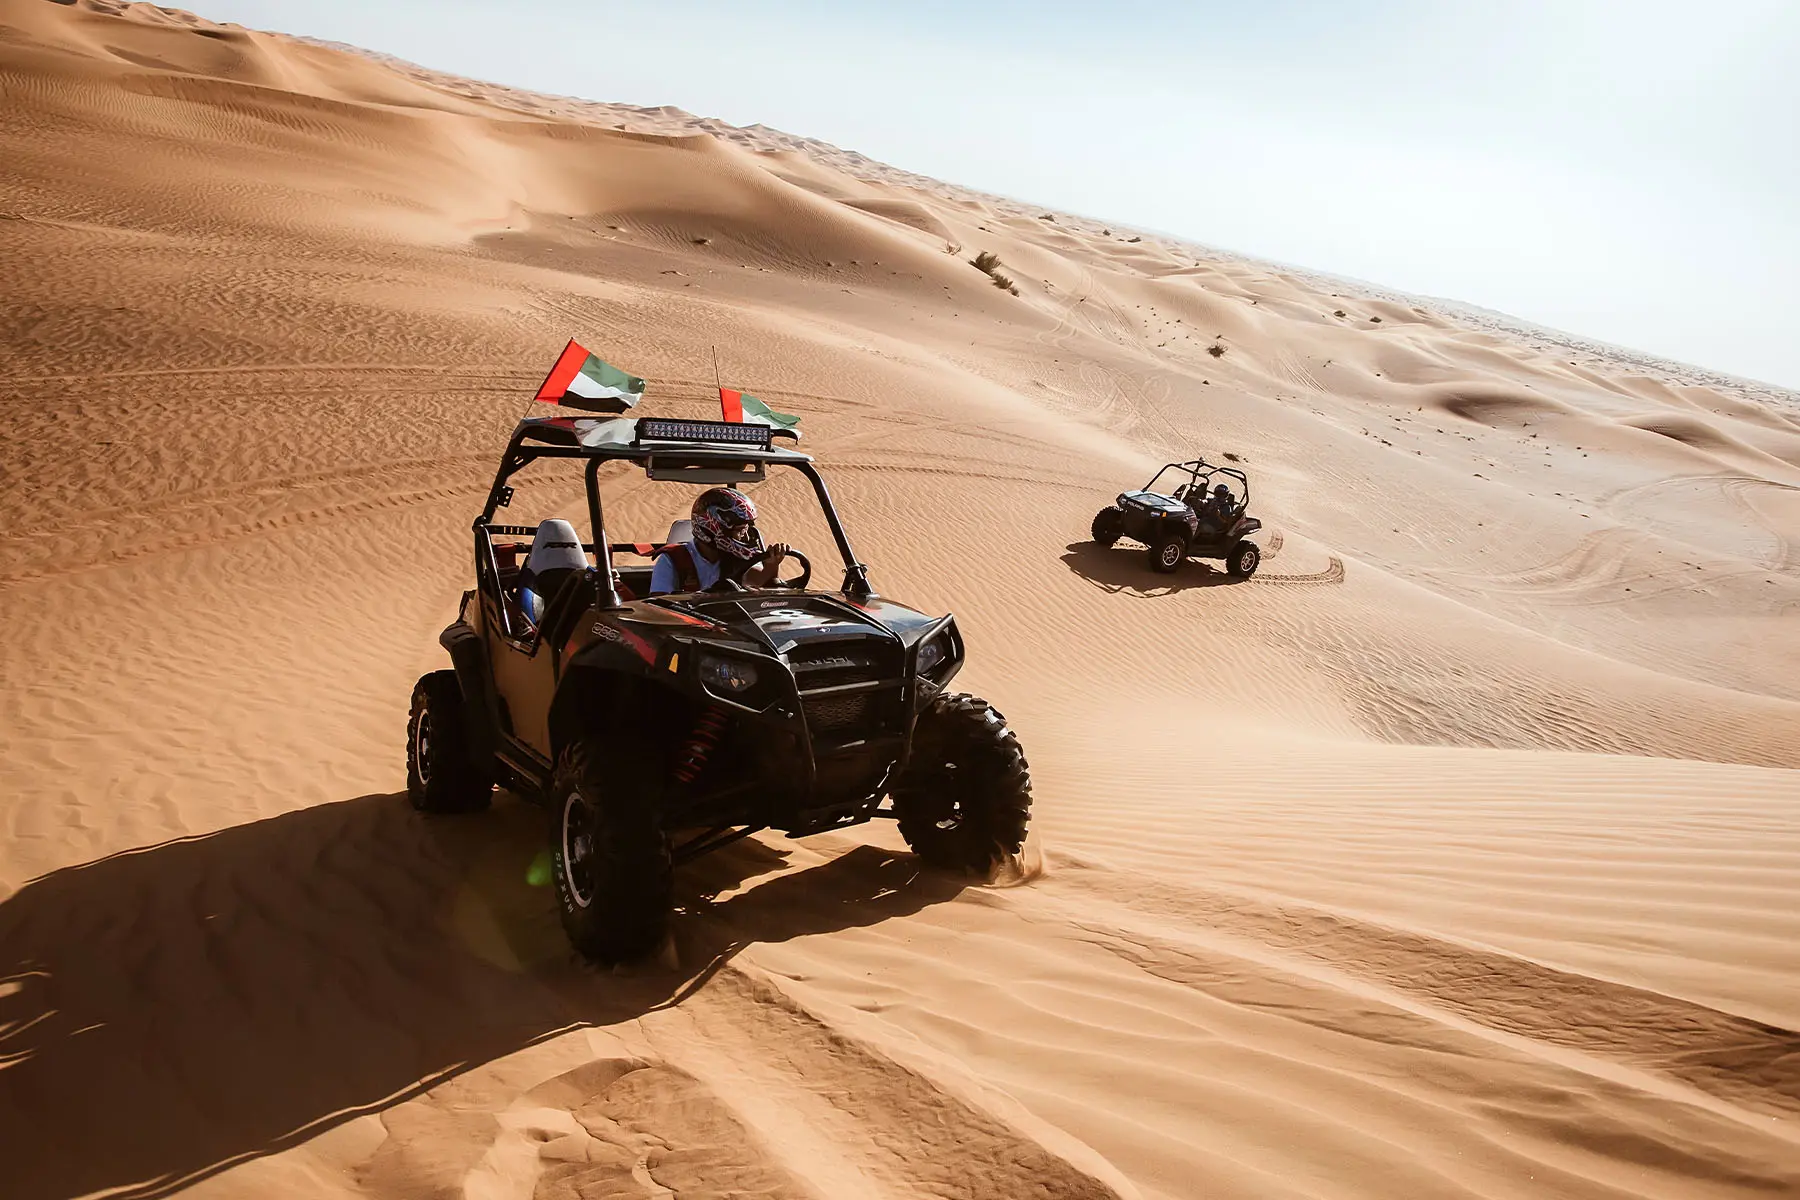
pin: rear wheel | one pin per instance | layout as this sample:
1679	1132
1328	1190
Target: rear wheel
1109	525
442	775
1243	560
964	800
1167	550
609	858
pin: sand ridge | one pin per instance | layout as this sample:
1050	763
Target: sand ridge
1453	855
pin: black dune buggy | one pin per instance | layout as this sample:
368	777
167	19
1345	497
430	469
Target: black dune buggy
1196	520
656	729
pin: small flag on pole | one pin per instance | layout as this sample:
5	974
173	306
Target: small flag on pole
748	410
579	380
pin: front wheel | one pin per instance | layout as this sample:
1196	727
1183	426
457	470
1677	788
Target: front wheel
964	800
609	857
1167	550
442	775
1244	559
1108	526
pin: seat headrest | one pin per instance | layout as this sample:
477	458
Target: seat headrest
680	531
556	545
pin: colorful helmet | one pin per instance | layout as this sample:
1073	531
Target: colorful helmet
725	519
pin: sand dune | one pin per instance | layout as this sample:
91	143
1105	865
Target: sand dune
1456	854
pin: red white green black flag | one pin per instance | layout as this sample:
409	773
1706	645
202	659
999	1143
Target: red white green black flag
579	380
748	410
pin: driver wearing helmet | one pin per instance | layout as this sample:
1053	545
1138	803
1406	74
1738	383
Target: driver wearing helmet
725	539
1221	506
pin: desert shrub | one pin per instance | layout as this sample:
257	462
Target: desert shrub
988	263
1217	349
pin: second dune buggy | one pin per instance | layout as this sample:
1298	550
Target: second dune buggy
1206	515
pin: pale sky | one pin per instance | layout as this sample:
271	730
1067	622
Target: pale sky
1628	170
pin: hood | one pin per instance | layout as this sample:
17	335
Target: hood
1154	500
785	622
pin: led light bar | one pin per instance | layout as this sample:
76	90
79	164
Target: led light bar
731	433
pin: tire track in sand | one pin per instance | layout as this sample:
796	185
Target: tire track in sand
1332	574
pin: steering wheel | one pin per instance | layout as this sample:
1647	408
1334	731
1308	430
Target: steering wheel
799	582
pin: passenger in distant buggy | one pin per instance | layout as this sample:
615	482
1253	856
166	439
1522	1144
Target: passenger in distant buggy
1218	509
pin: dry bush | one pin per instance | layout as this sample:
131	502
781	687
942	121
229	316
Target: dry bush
988	263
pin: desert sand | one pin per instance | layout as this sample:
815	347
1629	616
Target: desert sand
1455	855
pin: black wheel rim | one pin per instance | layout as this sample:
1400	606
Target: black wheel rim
422	745
578	847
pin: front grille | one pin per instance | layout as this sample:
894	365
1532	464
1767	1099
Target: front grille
839	720
835	664
849	688
830	714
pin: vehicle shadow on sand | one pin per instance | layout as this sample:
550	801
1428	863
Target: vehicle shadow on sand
1126	568
170	1011
864	885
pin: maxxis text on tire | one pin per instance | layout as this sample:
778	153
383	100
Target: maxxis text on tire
1108	526
1245	557
609	856
964	799
441	774
1167	551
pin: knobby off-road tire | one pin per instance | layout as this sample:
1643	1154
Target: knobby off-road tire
609	857
1108	526
1167	551
964	799
1245	558
442	775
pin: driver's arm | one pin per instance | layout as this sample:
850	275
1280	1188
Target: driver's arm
764	573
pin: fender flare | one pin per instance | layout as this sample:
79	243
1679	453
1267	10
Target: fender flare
468	656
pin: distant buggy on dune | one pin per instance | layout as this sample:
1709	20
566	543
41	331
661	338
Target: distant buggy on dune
1205	516
656	728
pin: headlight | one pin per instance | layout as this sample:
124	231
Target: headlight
727	676
933	653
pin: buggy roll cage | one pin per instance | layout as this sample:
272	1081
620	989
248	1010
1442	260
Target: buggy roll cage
667	450
1200	472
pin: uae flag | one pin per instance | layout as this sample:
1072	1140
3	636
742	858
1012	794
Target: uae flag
748	410
579	380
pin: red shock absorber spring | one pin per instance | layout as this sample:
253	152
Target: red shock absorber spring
700	744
